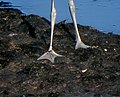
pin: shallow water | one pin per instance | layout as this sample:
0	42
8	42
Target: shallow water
101	14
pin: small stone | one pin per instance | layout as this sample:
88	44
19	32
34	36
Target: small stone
64	85
106	41
84	70
24	96
78	76
114	49
105	50
13	34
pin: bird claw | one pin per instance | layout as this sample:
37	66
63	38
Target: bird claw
50	55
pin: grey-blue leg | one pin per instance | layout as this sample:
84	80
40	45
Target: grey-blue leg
51	54
79	43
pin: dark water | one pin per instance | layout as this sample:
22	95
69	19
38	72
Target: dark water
101	14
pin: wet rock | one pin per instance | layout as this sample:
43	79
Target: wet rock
93	72
5	4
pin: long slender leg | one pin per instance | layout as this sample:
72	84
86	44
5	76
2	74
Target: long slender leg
50	54
79	42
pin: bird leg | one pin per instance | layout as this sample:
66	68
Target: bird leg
51	54
79	42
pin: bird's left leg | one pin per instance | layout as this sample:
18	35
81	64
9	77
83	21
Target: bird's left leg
79	42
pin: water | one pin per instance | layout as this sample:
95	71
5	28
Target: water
101	14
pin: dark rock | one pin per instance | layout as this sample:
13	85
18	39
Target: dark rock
93	72
5	4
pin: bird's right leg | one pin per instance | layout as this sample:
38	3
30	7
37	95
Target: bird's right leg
51	54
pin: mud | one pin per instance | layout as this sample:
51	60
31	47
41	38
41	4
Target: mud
92	72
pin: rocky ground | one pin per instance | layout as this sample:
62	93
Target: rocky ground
92	72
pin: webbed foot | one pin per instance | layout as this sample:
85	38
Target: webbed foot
80	44
49	55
